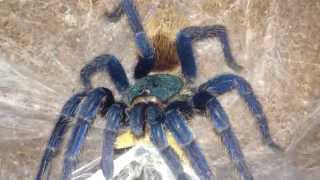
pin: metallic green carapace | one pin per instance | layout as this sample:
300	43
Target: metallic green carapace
162	86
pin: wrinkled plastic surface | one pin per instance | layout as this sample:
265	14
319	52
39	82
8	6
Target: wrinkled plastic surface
44	44
141	162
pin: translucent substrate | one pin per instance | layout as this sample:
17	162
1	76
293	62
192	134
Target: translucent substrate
141	162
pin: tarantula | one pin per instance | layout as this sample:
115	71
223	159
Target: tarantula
158	100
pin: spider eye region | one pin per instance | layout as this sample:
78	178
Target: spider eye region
162	86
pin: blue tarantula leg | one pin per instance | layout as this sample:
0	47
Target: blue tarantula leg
183	106
136	119
115	115
228	82
205	101
222	127
88	109
176	123
68	111
133	16
188	35
154	117
145	47
105	63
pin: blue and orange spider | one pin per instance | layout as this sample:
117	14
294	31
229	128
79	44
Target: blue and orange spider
159	101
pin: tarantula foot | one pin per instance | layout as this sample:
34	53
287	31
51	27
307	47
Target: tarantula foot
274	146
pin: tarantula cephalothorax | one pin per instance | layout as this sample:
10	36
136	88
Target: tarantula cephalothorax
158	100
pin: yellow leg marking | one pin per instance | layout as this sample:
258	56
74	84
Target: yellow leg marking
176	147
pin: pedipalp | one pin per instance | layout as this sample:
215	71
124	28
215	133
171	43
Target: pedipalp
176	124
155	118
